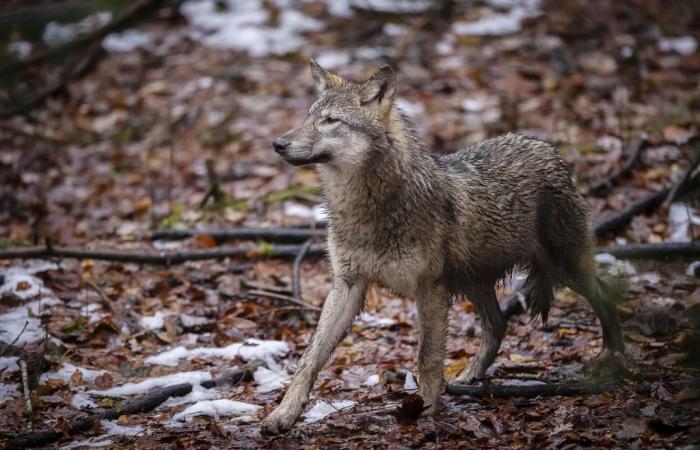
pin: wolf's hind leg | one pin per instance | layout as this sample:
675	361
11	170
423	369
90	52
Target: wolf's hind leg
433	306
493	325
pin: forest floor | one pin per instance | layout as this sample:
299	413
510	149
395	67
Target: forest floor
135	144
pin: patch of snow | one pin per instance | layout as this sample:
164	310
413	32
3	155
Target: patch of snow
521	382
194	378
323	409
197	394
497	23
216	409
82	400
316	212
243	25
370	52
154	322
332	59
97	441
368	320
679	222
8	392
410	384
446	45
683	45
20	48
168	245
114	429
343	8
127	41
20	282
248	350
614	266
392	29
648	278
372	380
66	371
56	33
412	109
270	380
12	322
9	364
692	268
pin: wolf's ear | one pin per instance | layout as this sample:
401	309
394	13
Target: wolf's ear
380	89
322	77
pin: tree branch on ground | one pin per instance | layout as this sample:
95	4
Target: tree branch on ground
141	404
638	145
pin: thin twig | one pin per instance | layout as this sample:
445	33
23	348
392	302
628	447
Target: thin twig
296	270
273	235
285	298
99	292
618	220
14	341
638	146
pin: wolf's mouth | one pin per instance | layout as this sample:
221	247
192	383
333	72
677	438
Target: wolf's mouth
311	159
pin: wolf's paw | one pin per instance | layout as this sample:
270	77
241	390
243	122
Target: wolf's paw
278	422
609	364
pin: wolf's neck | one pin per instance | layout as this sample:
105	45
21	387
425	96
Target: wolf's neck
393	171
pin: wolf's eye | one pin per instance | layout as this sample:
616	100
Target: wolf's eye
330	120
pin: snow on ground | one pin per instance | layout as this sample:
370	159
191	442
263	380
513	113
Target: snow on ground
67	370
93	442
270	380
8	392
680	216
322	409
198	394
12	322
372	380
493	23
244	25
367	320
82	400
56	33
154	322
127	41
410	384
9	364
216	409
683	45
248	350
343	8
613	266
193	377
114	429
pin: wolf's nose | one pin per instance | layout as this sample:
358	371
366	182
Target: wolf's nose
280	146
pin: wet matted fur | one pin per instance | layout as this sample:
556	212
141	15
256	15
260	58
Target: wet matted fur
434	227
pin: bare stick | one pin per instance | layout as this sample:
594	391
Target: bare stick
121	20
638	146
296	270
664	250
285	298
163	258
618	220
275	235
547	390
142	404
14	341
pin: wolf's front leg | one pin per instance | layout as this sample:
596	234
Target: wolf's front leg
342	305
433	308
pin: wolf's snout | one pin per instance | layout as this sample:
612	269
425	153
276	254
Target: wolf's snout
280	145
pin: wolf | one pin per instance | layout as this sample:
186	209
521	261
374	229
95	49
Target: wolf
434	228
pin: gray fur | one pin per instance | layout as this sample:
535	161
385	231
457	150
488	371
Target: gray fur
434	227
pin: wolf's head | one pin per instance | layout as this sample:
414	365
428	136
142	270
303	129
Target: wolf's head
344	123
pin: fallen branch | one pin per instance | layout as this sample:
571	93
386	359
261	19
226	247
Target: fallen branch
564	389
275	235
285	298
618	220
638	146
664	250
123	19
163	258
147	402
